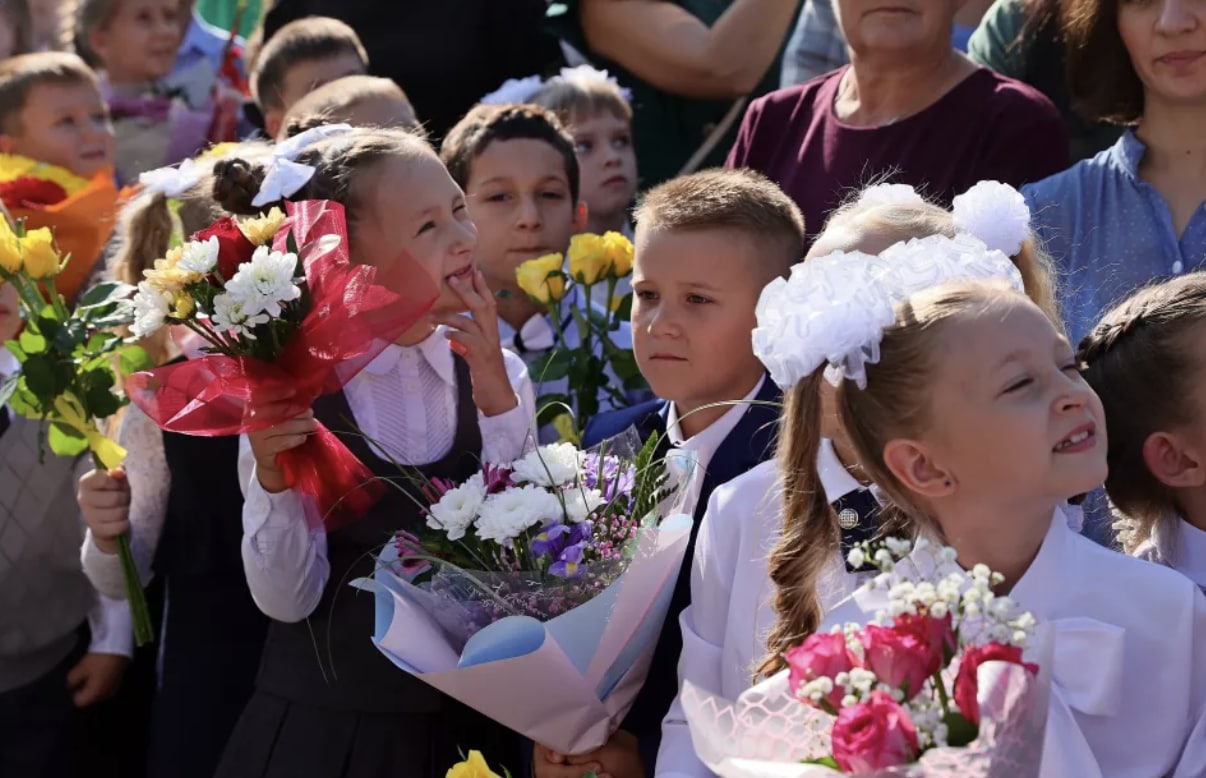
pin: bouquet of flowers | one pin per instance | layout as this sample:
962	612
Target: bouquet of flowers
935	685
280	307
593	259
552	569
66	359
81	211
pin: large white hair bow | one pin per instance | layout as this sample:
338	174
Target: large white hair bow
172	182
834	309
514	90
284	176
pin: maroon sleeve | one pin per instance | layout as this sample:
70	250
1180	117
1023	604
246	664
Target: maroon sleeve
1032	141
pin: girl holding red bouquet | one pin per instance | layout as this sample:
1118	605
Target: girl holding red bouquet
441	399
179	496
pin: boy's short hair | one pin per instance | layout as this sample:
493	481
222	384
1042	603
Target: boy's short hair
335	97
738	200
19	75
485	124
574	96
314	37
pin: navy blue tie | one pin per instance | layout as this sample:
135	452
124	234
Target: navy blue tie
857	514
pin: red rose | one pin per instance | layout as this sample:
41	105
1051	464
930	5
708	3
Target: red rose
822	655
967	682
873	735
902	659
29	192
233	247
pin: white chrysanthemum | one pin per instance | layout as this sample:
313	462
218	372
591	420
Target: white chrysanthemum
200	256
995	213
555	465
581	503
151	308
457	509
506	514
231	313
266	282
890	194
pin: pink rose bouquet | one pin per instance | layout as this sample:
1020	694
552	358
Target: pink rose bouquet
935	685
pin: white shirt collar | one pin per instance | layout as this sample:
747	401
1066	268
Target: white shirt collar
835	478
705	443
433	349
1182	547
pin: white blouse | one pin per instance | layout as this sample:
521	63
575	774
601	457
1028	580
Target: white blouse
405	401
1128	692
731	611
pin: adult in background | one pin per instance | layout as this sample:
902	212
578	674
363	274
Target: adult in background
1021	39
691	66
444	53
909	108
817	45
1136	212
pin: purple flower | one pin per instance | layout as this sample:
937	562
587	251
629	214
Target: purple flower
563	543
568	564
605	474
407	545
496	477
436	488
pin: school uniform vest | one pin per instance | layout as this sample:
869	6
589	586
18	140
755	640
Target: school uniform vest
44	595
213	633
329	660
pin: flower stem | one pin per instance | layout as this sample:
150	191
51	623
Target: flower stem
140	614
942	698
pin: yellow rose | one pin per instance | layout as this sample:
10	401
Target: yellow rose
262	229
10	248
473	767
182	306
619	254
564	425
542	279
38	254
588	262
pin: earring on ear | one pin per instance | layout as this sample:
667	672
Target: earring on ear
948	483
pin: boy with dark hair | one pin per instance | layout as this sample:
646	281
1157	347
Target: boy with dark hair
301	56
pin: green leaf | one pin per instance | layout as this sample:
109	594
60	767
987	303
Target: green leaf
552	366
96	344
65	441
104	292
132	359
39	378
32	343
48	327
291	245
824	761
24	403
15	349
624	312
960	731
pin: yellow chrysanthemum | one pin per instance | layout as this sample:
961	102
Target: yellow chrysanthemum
619	253
473	767
168	276
182	306
588	261
262	229
14	166
542	279
38	254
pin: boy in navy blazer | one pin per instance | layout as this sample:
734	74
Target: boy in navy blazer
706	245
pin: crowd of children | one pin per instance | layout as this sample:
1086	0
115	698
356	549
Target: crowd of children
968	417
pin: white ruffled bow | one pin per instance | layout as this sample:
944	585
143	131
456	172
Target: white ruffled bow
284	176
536	334
172	181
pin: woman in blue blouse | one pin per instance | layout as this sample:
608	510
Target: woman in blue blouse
1136	212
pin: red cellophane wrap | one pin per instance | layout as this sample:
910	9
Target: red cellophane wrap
355	312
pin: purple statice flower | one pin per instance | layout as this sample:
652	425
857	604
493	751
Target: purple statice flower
496	477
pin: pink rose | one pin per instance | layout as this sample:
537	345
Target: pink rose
935	633
873	734
967	683
822	655
900	658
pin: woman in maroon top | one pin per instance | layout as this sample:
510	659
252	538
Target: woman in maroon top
909	109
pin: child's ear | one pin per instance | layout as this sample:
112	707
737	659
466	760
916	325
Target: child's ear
581	215
1173	463
916	470
98	41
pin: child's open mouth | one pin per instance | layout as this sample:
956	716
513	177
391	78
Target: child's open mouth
461	273
1082	438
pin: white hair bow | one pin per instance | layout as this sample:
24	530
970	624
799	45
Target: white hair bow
284	176
172	181
514	90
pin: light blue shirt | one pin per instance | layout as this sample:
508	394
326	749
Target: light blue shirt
1109	232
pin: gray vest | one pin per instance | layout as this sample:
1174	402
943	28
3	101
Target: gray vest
44	595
